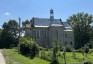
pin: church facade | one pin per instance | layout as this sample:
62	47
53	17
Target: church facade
46	30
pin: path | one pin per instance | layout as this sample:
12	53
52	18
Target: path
2	61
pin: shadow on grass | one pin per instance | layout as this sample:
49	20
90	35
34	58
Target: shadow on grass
54	62
29	55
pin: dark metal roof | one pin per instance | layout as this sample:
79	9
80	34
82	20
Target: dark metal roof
66	24
41	22
47	22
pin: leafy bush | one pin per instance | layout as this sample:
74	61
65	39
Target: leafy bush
43	54
41	48
51	49
12	45
86	48
61	48
91	50
24	48
29	46
68	49
90	44
47	48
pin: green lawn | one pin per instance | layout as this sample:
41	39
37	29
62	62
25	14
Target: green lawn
12	57
78	59
70	59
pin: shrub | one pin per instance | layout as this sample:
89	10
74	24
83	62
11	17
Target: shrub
91	50
86	49
47	48
24	48
29	47
41	48
90	44
55	51
43	54
62	48
73	54
68	49
12	45
34	50
82	50
51	49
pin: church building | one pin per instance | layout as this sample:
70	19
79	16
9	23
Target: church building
46	30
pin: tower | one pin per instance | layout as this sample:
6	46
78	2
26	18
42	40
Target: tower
51	14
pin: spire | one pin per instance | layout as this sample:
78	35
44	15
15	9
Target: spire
51	14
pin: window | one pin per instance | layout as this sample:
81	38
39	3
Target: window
57	34
65	43
45	34
65	35
38	34
71	43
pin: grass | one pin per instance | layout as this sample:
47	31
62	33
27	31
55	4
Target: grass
70	59
12	57
79	58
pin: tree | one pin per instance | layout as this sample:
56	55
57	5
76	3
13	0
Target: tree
64	54
80	22
9	33
55	51
25	22
0	37
6	39
11	27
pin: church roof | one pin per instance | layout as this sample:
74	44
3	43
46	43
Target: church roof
43	22
66	24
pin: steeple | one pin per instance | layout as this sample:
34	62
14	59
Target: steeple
51	14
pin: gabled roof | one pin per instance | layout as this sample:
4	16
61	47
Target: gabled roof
56	22
43	22
66	24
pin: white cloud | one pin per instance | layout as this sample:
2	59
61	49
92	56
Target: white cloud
7	13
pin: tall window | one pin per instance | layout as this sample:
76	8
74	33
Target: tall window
38	34
71	43
65	43
57	34
65	35
45	34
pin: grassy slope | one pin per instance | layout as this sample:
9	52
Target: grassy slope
74	60
78	59
11	56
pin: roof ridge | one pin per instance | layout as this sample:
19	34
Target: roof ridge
41	18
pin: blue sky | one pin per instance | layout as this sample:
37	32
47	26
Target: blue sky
26	9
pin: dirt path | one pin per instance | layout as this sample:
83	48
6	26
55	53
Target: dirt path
2	61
